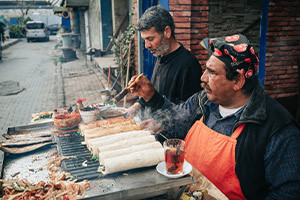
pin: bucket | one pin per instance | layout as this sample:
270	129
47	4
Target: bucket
66	40
89	114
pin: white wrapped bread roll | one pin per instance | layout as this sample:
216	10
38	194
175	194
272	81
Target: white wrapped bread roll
111	131
124	151
107	126
98	123
119	136
144	158
93	144
126	143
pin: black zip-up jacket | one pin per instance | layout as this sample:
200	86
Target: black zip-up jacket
177	75
264	118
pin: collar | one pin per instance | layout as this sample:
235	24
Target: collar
168	57
215	108
254	110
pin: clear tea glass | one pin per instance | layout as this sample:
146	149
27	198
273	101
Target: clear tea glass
174	155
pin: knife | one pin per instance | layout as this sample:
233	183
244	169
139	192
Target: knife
123	93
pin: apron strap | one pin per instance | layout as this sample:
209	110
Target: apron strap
238	131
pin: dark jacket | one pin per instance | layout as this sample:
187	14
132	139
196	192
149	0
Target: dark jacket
264	119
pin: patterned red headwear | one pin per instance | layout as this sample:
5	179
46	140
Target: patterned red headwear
236	52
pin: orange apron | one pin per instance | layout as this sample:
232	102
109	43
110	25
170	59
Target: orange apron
213	154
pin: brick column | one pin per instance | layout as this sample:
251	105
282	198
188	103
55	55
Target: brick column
191	22
283	49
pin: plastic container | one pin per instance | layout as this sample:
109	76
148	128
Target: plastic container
89	114
66	40
79	105
67	120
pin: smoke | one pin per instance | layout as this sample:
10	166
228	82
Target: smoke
171	123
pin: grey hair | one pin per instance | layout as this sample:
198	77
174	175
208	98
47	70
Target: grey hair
158	17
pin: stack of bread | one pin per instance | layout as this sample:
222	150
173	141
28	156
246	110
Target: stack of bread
121	144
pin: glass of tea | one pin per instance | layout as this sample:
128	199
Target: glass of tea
174	155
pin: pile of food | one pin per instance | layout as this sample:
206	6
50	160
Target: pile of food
120	144
58	187
41	116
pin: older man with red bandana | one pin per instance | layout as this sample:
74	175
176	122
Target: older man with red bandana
242	140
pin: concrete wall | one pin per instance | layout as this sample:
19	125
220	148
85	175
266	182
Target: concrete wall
229	17
120	10
94	24
45	15
48	20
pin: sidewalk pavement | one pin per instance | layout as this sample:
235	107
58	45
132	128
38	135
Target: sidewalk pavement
82	78
79	79
10	42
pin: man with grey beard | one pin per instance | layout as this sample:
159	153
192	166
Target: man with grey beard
176	72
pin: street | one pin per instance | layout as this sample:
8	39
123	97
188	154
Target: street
27	82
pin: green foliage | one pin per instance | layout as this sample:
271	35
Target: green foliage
60	59
16	31
27	20
58	45
123	42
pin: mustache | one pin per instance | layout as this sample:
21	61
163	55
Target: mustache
152	49
205	86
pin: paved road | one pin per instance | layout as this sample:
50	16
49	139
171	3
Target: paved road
32	66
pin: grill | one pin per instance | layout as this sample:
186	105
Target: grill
133	184
70	144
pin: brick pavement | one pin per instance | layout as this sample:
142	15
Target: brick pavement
37	76
47	86
81	79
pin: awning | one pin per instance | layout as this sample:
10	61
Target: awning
75	3
59	9
57	3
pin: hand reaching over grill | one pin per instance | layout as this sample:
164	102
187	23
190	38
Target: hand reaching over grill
151	125
143	88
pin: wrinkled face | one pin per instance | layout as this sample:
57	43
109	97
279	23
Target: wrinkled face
155	42
218	88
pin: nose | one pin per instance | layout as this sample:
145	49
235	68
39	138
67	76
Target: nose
147	44
204	77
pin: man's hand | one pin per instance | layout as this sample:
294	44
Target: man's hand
143	88
132	110
151	125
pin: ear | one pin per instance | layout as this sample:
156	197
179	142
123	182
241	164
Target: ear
239	82
167	32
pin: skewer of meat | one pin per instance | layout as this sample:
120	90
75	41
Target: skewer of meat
24	149
24	141
29	135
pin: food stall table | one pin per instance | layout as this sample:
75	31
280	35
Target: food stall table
134	184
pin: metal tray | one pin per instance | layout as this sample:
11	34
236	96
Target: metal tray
134	184
30	165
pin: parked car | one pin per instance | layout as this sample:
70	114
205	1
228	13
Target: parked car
53	28
36	30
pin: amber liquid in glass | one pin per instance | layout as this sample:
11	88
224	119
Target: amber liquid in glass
174	161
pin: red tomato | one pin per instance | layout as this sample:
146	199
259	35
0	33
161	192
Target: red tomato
240	47
249	73
256	65
252	50
248	60
232	58
217	52
232	38
226	51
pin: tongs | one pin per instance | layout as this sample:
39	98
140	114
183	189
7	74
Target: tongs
123	93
